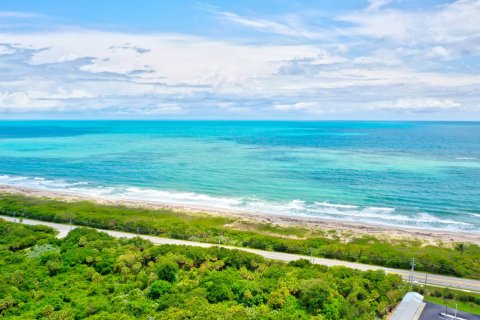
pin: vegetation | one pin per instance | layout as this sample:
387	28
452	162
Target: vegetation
465	301
461	260
90	275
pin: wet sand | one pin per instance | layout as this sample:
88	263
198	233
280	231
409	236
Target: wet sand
343	229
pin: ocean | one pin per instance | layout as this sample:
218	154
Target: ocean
407	174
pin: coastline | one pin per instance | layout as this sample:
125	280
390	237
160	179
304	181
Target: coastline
344	229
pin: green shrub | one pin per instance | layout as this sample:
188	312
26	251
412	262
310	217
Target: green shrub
461	260
166	270
139	280
159	288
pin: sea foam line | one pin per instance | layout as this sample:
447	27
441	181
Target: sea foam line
297	207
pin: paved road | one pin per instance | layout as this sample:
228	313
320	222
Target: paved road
420	277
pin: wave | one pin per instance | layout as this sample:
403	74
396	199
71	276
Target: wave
334	205
119	192
474	214
297	207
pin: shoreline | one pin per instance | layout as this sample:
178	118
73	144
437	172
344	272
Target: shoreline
350	228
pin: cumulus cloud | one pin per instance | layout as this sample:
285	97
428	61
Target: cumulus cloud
98	65
310	107
370	58
439	52
22	102
454	24
425	104
175	58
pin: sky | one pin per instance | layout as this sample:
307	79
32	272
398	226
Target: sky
279	60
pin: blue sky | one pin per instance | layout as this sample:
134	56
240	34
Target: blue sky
118	59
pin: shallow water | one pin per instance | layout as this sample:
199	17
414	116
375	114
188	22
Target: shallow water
418	174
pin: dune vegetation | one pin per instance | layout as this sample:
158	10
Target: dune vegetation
460	259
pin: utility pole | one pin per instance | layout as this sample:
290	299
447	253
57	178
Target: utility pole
411	271
425	280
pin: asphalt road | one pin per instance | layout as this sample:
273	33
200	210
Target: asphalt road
420	277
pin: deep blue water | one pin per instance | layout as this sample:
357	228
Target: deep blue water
419	174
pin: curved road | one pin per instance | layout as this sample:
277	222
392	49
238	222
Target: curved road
420	277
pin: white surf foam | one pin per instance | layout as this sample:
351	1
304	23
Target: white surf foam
297	207
334	205
474	214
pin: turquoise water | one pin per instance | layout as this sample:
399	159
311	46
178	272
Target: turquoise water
418	174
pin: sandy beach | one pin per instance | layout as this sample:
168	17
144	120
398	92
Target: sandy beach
344	229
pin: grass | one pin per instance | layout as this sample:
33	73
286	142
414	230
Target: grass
469	307
276	230
464	301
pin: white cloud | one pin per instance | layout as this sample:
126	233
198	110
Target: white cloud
6	50
379	57
169	64
385	54
310	107
22	102
290	26
232	107
61	94
377	4
439	52
455	23
152	109
425	104
75	65
14	14
173	58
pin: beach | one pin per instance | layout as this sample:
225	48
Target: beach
357	172
342	229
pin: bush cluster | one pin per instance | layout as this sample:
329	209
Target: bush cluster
462	260
89	275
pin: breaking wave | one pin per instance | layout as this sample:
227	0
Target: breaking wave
296	207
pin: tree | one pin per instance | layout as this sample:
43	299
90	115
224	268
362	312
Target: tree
278	298
315	295
159	288
166	270
460	247
109	279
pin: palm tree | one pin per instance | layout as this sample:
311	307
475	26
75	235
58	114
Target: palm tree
460	247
